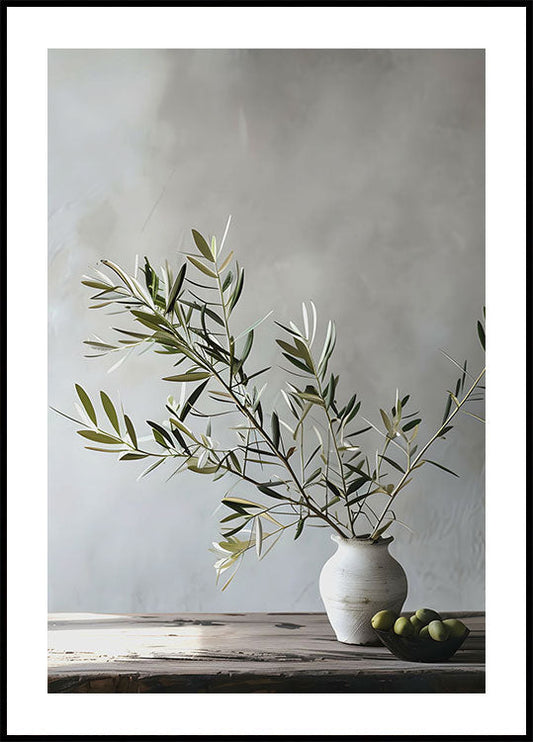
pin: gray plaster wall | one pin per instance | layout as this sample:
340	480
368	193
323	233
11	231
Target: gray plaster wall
355	178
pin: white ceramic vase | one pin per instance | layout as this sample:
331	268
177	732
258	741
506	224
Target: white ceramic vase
360	579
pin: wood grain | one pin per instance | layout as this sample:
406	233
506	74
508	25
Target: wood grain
237	652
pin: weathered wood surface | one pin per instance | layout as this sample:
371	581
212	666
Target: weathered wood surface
241	652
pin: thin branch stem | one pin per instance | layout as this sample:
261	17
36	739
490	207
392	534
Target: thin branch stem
334	441
418	457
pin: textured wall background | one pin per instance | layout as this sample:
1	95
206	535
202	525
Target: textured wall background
355	178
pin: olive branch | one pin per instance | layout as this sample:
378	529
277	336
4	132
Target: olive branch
308	470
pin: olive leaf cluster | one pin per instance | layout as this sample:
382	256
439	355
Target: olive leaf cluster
291	468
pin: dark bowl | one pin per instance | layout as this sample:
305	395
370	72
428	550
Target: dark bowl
418	650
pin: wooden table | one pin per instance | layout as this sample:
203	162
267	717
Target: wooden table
241	653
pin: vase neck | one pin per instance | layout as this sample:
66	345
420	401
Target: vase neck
359	543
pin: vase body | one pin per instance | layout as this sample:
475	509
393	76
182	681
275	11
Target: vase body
359	580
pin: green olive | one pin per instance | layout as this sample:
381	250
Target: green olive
404	627
438	631
424	634
426	615
383	620
456	628
417	623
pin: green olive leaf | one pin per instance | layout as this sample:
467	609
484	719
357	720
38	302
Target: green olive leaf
201	267
110	411
87	404
94	435
202	246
